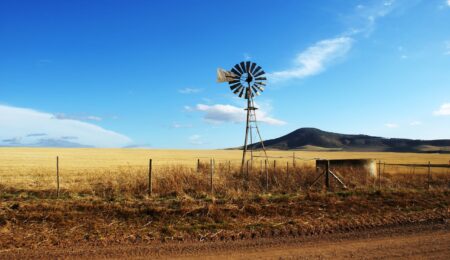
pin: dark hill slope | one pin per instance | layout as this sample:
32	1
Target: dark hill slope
316	139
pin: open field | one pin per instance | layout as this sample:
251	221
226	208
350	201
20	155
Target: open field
86	158
104	200
94	171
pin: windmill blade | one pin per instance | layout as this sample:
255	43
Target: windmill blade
243	67
242	92
261	78
247	66
262	83
239	69
258	68
252	67
236	91
234	81
259	73
236	72
259	88
232	87
255	90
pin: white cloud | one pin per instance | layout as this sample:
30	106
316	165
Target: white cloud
448	3
178	125
391	125
315	58
28	127
196	140
75	117
444	110
247	56
219	113
447	47
189	90
319	56
415	123
365	17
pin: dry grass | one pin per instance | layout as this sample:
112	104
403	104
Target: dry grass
105	200
30	223
123	172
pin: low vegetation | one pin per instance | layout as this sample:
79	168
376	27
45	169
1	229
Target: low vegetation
105	205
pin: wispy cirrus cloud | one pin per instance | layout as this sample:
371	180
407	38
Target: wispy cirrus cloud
315	59
365	16
77	117
189	90
178	125
447	47
391	125
223	113
444	110
320	55
196	140
28	127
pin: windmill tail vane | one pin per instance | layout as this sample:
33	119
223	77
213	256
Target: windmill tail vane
225	76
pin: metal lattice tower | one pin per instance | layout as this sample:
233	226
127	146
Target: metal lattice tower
246	80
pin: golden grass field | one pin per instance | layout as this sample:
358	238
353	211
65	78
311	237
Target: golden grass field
34	168
104	198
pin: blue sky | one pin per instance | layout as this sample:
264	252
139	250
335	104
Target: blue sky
143	73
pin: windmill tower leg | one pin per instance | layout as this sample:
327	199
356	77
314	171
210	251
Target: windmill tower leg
247	128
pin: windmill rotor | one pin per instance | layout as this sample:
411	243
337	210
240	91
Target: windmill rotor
246	79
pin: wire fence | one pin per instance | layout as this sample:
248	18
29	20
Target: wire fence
280	174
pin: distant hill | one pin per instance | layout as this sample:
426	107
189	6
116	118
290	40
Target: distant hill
314	139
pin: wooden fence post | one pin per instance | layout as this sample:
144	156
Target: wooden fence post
57	176
287	170
260	168
211	176
274	166
429	175
379	175
150	184
229	167
293	160
267	175
327	175
198	165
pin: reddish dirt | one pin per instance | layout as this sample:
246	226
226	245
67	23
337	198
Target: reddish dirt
414	241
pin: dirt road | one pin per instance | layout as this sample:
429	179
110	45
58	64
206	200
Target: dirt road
430	241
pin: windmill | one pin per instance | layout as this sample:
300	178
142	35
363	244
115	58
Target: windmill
247	80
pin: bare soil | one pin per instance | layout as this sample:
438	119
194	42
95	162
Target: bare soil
429	240
358	224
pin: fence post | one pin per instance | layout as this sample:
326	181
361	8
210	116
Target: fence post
379	175
211	176
293	160
274	166
150	184
229	167
287	170
260	168
327	175
57	176
198	165
429	175
267	175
